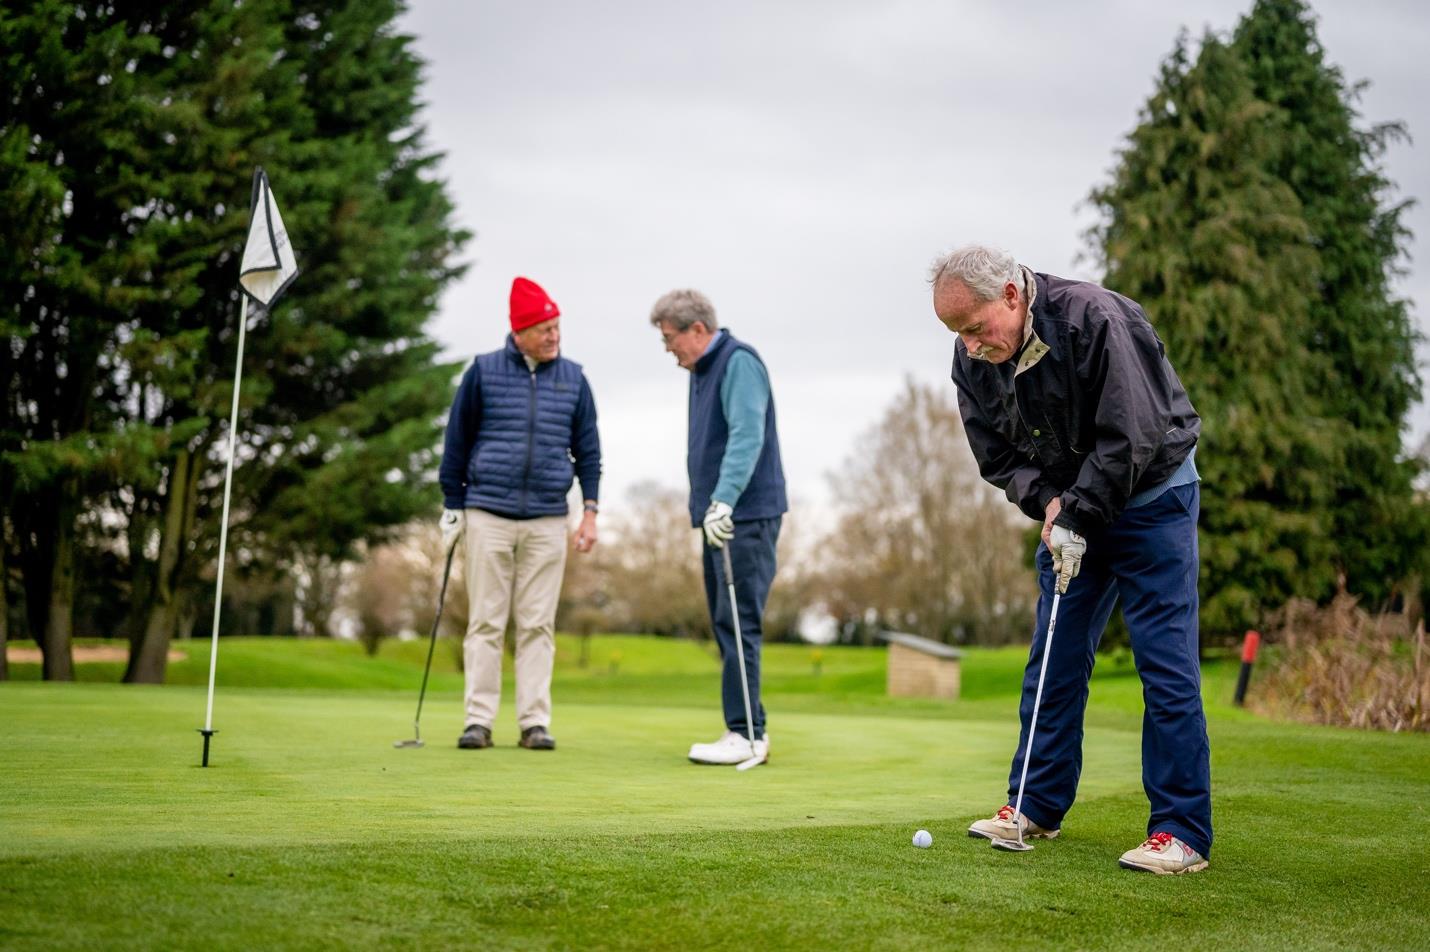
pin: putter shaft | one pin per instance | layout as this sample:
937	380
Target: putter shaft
1021	845
416	740
740	653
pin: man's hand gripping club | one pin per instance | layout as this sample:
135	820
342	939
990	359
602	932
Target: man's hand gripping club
1064	545
719	524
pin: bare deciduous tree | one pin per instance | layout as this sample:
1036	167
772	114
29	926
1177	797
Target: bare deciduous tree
651	566
394	590
924	544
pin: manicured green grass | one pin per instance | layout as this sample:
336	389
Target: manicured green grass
310	830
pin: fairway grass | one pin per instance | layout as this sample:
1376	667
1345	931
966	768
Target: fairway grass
311	830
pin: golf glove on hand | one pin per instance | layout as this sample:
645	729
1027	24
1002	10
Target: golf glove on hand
1067	550
452	525
719	524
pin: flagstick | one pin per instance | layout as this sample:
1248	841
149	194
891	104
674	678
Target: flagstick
208	730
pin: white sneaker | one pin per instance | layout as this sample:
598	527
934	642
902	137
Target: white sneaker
1164	855
733	748
1000	826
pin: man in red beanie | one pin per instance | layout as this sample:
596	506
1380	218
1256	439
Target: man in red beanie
522	426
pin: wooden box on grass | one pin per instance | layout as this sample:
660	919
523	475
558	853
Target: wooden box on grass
921	667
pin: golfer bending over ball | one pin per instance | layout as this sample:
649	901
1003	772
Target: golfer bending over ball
522	424
1072	408
737	497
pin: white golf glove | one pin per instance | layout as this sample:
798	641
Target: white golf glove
1067	549
719	524
453	522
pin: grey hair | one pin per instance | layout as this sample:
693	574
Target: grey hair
983	270
680	309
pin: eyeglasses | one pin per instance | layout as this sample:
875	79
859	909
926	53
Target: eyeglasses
670	337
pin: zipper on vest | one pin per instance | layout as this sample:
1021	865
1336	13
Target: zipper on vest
530	441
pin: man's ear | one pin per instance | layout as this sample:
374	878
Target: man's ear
1010	295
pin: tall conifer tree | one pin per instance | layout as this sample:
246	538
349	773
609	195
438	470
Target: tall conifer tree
1332	162
1208	223
129	142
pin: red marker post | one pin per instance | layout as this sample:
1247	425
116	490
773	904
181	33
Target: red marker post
1248	658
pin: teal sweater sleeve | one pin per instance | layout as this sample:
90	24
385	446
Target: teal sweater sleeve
744	397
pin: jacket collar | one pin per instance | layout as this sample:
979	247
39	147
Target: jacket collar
1033	348
712	352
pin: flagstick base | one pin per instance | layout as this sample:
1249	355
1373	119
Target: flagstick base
207	734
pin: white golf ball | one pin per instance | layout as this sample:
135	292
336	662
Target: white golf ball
923	840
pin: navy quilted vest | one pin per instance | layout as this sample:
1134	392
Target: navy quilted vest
764	497
520	465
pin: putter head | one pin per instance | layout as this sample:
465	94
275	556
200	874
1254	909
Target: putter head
747	764
1009	846
415	742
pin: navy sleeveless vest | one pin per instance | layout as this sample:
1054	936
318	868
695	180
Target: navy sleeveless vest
764	497
520	465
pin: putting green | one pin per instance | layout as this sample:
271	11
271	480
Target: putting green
312	830
315	769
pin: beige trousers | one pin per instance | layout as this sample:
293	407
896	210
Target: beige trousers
514	567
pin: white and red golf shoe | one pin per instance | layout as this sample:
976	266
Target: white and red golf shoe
1000	826
1164	855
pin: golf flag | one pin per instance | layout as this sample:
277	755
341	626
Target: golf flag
268	262
268	268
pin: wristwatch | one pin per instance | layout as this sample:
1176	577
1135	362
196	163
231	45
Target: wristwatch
591	507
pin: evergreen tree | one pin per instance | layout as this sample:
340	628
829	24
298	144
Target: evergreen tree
341	398
73	117
1364	332
1204	225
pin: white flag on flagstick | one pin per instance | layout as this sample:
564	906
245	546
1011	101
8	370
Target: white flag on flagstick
267	270
268	262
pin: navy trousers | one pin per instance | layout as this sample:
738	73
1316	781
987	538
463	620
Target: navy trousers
752	555
1148	558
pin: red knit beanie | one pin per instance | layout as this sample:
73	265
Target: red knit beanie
530	305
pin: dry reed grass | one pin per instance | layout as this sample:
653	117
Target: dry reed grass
1342	666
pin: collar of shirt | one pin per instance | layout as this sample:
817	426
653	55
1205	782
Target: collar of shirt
713	341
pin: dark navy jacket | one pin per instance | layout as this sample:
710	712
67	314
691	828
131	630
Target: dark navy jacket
1089	409
764	495
515	437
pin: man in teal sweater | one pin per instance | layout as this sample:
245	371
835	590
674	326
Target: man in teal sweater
737	497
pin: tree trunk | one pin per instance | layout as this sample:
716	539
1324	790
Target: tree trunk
58	634
35	537
149	654
317	599
149	647
141	572
188	618
4	609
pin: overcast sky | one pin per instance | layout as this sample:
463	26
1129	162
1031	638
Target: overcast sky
801	163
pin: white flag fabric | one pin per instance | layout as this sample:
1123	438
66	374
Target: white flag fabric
268	262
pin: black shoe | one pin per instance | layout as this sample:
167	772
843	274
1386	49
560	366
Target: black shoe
475	737
536	738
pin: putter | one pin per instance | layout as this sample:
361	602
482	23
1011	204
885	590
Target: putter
416	740
755	759
1019	845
